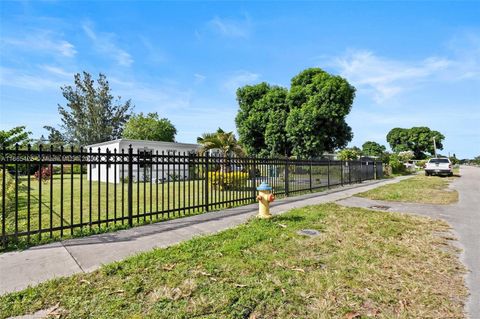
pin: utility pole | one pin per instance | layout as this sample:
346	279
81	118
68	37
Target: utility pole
434	147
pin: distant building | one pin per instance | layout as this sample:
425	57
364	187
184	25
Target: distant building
147	165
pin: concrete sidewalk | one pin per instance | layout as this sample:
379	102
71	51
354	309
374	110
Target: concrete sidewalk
20	269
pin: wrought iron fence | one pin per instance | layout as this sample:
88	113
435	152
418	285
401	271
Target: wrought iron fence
49	194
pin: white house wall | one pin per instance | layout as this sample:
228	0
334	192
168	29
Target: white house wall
165	173
103	167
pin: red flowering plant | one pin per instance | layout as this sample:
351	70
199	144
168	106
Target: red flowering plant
43	173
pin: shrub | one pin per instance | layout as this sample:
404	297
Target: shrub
421	163
348	154
67	169
454	160
396	164
43	173
57	169
9	189
228	181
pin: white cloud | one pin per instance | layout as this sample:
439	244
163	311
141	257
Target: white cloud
152	52
199	78
27	80
160	97
384	78
57	71
239	79
231	28
40	78
466	51
44	41
104	43
66	48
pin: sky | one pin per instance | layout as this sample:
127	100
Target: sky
412	63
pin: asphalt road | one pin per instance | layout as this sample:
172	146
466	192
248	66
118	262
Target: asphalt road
463	216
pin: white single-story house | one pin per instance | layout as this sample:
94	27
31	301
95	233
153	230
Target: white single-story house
145	161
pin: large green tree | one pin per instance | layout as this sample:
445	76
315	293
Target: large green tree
261	119
55	138
149	127
416	139
370	148
305	121
17	135
92	114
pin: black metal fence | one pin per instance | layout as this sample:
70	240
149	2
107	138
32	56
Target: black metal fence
48	194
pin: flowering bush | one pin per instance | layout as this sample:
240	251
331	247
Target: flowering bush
43	173
228	181
406	156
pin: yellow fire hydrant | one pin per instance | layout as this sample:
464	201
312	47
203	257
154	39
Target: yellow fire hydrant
265	197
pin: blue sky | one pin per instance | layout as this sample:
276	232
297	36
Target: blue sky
413	63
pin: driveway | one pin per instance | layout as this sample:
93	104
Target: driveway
463	216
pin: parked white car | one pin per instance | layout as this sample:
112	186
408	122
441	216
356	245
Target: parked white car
439	166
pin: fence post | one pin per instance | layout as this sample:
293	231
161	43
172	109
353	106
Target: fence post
254	181
361	170
130	186
341	171
328	174
4	173
310	175
286	178
349	172
374	170
206	181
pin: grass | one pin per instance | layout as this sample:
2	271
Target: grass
67	209
418	189
364	263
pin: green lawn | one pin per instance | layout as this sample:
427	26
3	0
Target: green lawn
65	210
418	189
363	264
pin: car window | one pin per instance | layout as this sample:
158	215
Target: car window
439	160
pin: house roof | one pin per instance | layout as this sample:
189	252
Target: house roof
146	142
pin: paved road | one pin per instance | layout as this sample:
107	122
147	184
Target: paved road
22	268
463	216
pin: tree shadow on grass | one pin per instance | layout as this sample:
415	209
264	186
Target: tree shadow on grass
289	218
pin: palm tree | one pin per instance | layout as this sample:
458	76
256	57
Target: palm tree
225	142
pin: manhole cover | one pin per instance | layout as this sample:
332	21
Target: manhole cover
383	207
308	232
